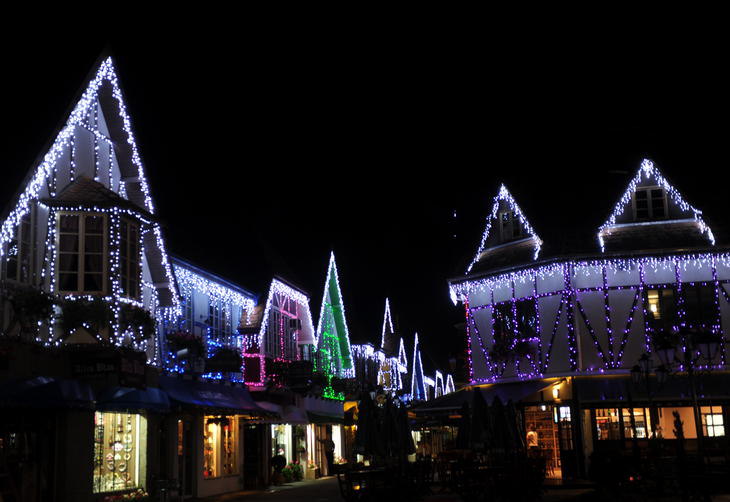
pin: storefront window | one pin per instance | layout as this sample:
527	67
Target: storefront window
666	427
608	425
642	422
713	424
220	446
120	444
281	441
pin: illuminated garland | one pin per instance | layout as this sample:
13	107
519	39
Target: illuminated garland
254	345
418	385
569	302
387	323
504	195
341	364
649	171
46	170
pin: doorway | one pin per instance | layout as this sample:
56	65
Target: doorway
543	438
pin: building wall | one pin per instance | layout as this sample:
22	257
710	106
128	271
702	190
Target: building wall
591	319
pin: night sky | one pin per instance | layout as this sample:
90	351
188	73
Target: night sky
263	155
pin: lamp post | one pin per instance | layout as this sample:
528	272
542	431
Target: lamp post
641	372
696	345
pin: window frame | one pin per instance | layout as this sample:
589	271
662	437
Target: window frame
650	209
81	235
513	223
125	279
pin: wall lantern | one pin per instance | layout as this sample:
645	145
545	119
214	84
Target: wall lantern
556	392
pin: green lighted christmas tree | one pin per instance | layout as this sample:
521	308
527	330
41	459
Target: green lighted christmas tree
333	357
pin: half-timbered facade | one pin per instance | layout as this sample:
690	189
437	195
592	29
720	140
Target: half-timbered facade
572	327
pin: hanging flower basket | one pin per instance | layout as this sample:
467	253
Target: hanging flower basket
94	314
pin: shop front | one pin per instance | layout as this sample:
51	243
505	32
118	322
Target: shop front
211	424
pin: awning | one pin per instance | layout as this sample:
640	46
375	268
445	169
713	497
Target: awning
46	392
317	418
505	391
622	389
283	414
127	398
210	395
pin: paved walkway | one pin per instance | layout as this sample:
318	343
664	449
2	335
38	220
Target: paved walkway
318	490
327	490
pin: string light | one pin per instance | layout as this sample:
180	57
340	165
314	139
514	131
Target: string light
648	171
505	196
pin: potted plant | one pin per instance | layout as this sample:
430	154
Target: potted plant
29	306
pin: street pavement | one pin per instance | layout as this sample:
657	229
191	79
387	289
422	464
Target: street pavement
318	490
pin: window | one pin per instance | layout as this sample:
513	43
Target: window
18	252
713	424
526	318
82	251
608	425
641	421
662	309
650	204
120	449
509	226
503	322
281	441
699	305
220	446
129	251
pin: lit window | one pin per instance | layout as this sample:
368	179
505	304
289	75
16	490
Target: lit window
608	425
650	204
713	424
82	252
120	446
661	308
642	422
220	446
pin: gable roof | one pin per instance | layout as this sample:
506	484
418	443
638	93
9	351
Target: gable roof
278	286
649	172
387	338
418	384
534	242
332	296
102	88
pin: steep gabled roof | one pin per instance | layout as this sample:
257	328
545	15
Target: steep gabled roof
418	384
387	338
103	88
533	242
278	286
648	173
332	298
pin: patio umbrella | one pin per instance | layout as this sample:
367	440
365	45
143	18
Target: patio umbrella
365	434
514	420
500	433
478	421
463	437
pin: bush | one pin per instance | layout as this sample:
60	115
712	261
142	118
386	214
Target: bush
293	472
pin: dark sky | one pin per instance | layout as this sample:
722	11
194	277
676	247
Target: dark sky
266	153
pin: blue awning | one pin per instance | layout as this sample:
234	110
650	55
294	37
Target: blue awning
46	392
210	395
127	399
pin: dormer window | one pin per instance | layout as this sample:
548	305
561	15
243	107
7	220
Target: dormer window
82	253
509	226
650	203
